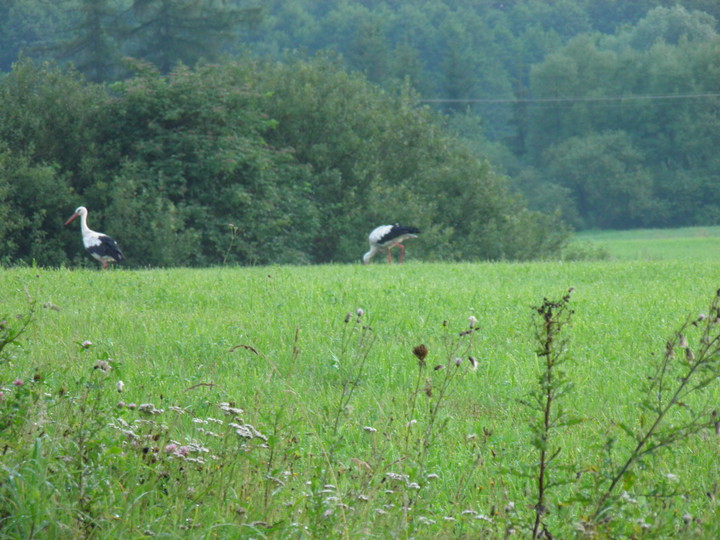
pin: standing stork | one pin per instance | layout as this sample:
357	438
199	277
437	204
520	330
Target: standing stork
99	245
389	236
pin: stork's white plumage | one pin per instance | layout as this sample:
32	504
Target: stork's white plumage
389	236
103	248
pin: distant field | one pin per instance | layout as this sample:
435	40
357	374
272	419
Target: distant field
689	243
268	413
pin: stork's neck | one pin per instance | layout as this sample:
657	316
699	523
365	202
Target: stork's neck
86	231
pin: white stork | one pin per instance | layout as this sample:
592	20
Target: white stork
99	245
389	236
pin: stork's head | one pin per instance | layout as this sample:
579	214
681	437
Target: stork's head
79	211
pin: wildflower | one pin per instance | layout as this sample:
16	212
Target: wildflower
120	385
120	404
369	429
149	408
170	448
472	320
183	451
230	408
413	485
18	382
131	406
360	312
458	361
86	344
102	365
432	476
363	498
395	476
411	423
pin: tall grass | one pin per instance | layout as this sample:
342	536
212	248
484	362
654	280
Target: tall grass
249	406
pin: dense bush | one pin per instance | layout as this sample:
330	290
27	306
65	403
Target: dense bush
248	163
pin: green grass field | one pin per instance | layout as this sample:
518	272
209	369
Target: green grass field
265	414
688	243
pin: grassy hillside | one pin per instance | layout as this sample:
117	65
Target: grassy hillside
342	433
700	244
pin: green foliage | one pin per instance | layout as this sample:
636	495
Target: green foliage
31	199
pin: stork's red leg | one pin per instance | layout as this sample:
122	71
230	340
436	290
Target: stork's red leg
402	250
389	256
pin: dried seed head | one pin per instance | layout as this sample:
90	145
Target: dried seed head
669	350
683	341
473	362
348	317
120	385
689	355
439	367
458	361
360	312
421	352
472	320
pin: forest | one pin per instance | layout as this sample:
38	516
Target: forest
206	132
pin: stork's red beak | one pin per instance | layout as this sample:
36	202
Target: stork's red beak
71	218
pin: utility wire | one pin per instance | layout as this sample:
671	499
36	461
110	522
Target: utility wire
573	99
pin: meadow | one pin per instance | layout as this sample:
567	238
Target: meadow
296	402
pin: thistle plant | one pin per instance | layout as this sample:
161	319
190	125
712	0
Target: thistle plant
356	342
675	403
438	384
548	414
11	328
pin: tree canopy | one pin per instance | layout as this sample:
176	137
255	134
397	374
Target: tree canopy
318	119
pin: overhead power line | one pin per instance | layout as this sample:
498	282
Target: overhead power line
573	99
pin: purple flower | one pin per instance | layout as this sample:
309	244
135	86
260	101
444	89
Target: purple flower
86	344
18	382
170	448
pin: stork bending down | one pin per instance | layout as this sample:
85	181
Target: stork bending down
389	236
